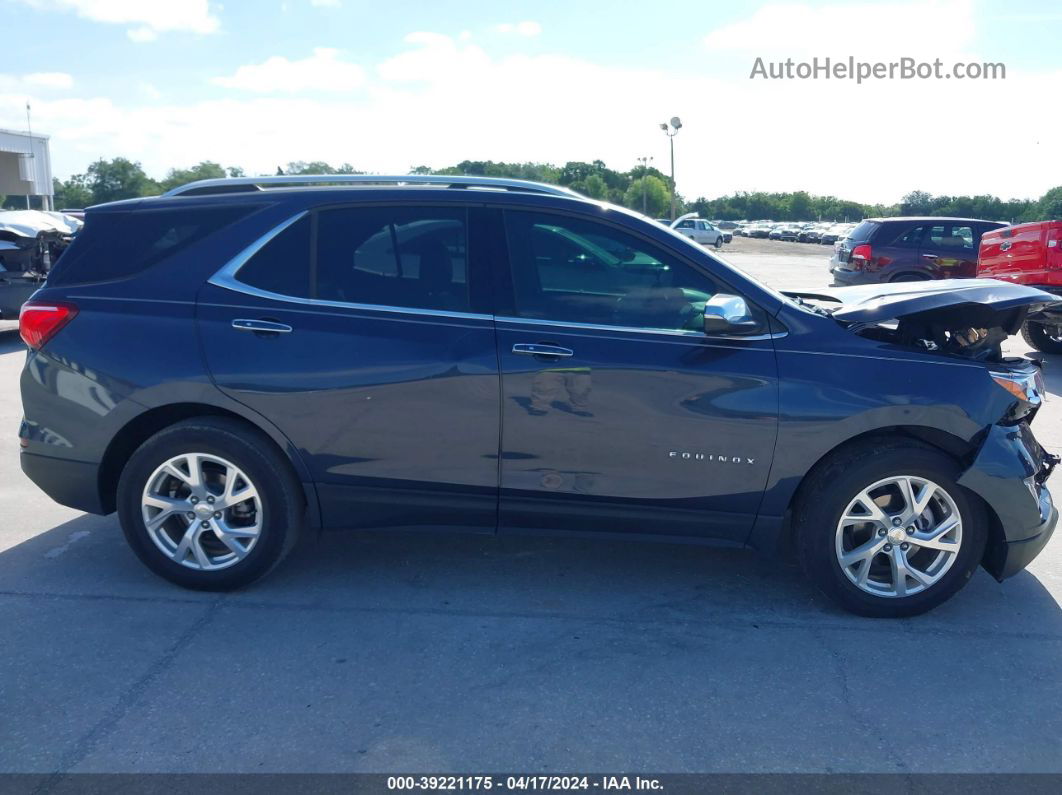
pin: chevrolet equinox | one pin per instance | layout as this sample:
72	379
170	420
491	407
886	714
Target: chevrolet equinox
239	360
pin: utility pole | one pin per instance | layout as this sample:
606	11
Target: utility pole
29	132
645	161
671	130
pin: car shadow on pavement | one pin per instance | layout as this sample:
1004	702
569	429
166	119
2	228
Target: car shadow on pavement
385	652
403	571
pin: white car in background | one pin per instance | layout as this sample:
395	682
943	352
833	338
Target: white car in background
699	230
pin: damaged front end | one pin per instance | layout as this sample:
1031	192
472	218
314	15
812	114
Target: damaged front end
965	317
32	240
972	318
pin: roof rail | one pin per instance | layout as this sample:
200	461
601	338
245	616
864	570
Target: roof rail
205	187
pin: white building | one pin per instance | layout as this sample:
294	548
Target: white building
26	167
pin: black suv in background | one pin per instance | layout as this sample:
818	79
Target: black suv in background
909	250
241	359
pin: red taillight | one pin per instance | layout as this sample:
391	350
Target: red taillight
860	257
39	321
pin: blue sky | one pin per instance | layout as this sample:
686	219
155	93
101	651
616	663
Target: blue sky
386	86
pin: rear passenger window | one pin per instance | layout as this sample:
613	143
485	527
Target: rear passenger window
410	257
955	237
121	243
909	239
283	264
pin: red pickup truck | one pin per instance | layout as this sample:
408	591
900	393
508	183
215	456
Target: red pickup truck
1028	254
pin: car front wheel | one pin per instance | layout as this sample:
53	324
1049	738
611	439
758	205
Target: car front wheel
209	504
886	531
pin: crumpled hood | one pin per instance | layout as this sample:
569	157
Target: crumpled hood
30	223
877	303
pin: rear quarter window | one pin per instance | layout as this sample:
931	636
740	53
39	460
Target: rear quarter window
864	231
118	244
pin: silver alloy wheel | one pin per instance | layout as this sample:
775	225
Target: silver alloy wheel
899	536
202	511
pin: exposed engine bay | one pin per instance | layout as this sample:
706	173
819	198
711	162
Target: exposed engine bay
964	317
956	332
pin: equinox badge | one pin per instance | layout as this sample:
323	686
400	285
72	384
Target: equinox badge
719	459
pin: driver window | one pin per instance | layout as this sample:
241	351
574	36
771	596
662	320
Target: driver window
571	270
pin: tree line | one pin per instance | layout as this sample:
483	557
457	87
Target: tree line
645	189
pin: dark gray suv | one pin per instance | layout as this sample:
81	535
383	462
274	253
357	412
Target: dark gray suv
909	250
241	360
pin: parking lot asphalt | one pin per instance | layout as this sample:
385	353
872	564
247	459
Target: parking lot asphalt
418	652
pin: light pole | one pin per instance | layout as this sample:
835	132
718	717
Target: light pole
645	161
671	130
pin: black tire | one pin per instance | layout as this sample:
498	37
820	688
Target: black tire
910	277
1036	334
827	493
283	504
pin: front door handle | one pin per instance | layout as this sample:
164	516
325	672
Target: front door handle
537	349
261	326
930	256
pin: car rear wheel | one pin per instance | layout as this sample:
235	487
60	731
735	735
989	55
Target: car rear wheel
719	242
209	504
886	531
1047	339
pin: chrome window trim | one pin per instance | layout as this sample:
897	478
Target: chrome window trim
637	330
227	272
225	278
246	289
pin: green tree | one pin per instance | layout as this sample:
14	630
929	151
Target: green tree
313	167
650	195
72	193
111	180
593	186
1049	208
182	176
799	206
917	202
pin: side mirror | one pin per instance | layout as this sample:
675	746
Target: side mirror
728	315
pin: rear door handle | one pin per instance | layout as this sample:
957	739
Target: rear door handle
260	326
525	349
930	256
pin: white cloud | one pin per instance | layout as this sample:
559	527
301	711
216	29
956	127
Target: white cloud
36	80
525	28
150	17
57	80
142	35
440	100
149	91
322	71
325	3
868	31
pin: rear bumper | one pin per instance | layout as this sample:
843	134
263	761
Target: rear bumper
845	278
71	483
